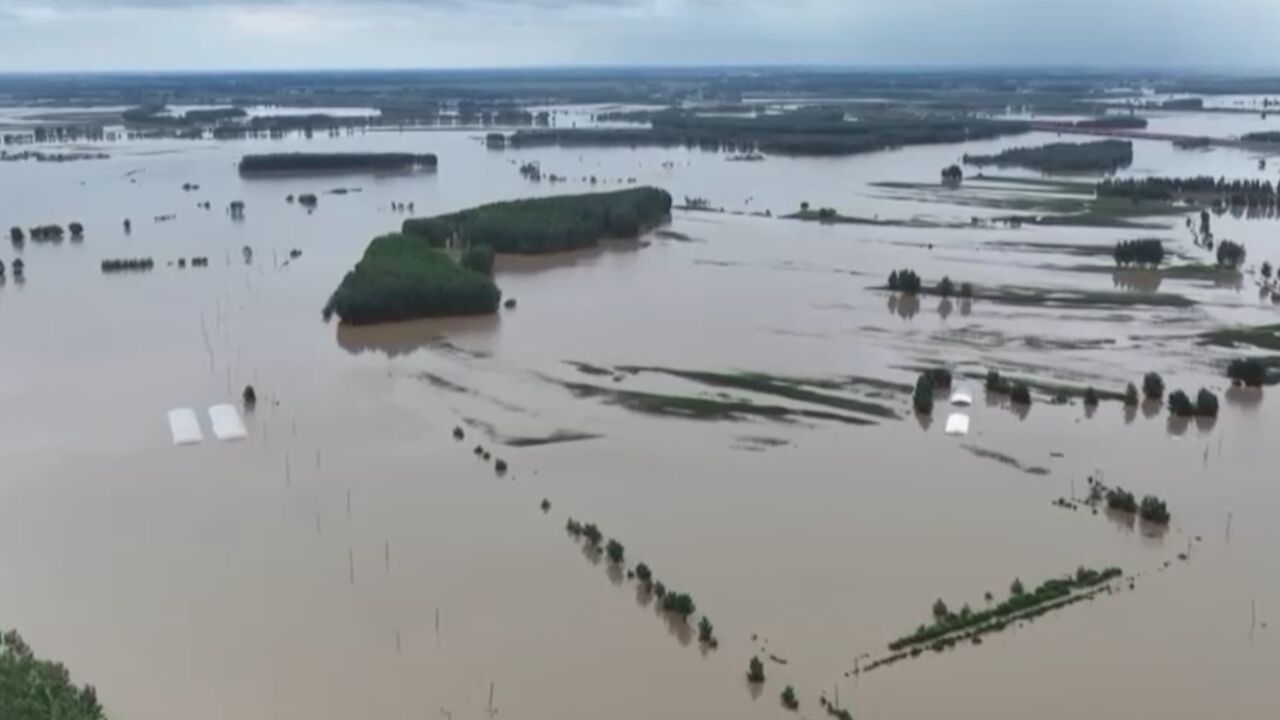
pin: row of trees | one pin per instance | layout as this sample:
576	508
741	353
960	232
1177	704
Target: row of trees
1247	193
1152	509
908	282
1099	156
334	162
1146	251
401	277
1018	392
550	224
127	265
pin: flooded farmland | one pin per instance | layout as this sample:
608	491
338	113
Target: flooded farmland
351	558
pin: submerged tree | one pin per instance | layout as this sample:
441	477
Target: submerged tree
1020	394
1131	395
706	632
1230	254
1248	371
1180	405
946	288
789	699
1154	510
614	551
1206	403
1153	386
1091	397
755	671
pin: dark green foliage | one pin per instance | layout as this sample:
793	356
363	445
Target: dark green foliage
1230	254
679	603
789	699
478	258
127	265
308	200
906	281
546	505
922	397
1250	371
1153	386
592	534
706	632
1020	394
1019	601
827	214
36	689
614	551
839	713
940	609
946	288
1180	404
996	384
46	232
334	162
401	277
1101	156
1269	136
549	224
1147	251
1131	395
1154	510
15	234
573	527
1265	270
1091	397
660	590
76	229
966	291
643	573
755	671
1122	500
1236	193
1206	403
952	174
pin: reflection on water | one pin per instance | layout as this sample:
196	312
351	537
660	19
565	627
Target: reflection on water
1244	397
903	305
945	308
1145	280
403	338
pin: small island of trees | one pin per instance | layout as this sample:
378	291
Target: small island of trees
550	224
1147	251
334	162
402	276
1099	156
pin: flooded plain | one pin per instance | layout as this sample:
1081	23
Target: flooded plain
352	559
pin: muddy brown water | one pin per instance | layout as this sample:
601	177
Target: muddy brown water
209	582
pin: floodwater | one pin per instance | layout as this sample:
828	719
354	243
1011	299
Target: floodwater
350	559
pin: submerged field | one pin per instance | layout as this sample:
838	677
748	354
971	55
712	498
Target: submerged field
730	398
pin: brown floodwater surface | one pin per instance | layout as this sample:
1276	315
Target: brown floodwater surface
351	559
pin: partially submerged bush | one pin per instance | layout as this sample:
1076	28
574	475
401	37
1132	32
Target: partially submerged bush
1020	394
1154	510
789	699
478	259
905	280
614	551
1249	371
1153	386
1180	405
755	671
1131	395
1120	499
1206	403
1230	254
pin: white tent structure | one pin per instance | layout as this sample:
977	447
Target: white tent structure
957	424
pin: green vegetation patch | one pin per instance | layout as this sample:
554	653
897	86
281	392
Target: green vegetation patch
702	408
559	436
36	689
1005	460
402	277
333	162
1266	337
549	224
1097	156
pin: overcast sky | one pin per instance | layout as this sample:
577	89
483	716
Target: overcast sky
248	34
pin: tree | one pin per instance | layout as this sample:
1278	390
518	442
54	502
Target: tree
946	288
1091	397
15	234
940	610
592	534
643	573
804	206
789	699
1180	405
1153	386
614	551
250	397
1230	254
1154	510
478	259
1122	500
1249	371
76	229
1204	222
679	603
1020	394
755	671
1266	270
893	276
1206	403
952	175
1131	395
966	291
706	632
1016	588
922	398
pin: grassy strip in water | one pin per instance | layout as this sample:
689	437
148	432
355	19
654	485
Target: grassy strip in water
1051	389
789	388
36	689
1004	460
559	436
401	277
1031	296
547	224
701	408
1266	337
1056	589
1099	155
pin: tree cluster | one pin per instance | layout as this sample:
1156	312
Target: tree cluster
1146	251
334	162
1099	156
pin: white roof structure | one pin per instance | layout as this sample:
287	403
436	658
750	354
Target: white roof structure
226	422
957	424
184	427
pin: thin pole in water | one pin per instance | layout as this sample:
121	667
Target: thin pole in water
1253	617
288	473
397	641
318	530
1228	526
386	551
351	564
348	506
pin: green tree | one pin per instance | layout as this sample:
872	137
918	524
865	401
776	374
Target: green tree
940	610
1153	386
1020	394
1091	397
946	288
1131	395
478	259
755	671
789	699
1016	588
643	573
614	551
1249	371
1180	405
706	633
1206	403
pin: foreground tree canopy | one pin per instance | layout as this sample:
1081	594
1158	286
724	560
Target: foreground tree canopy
550	224
36	689
402	277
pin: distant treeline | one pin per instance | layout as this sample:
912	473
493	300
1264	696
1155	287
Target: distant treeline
1100	156
402	277
334	162
1116	122
808	131
1270	136
1146	251
1241	193
550	224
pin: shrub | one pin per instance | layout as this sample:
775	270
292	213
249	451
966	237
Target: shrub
573	527
614	551
940	610
789	699
1120	499
996	384
1131	395
922	398
546	505
1016	589
308	200
1180	404
478	259
1249	371
908	282
643	573
660	590
966	291
592	534
1206	403
1020	394
1154	510
1091	397
1153	386
755	671
76	229
893	275
15	234
32	688
952	174
679	603
1230	254
1148	251
1266	270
